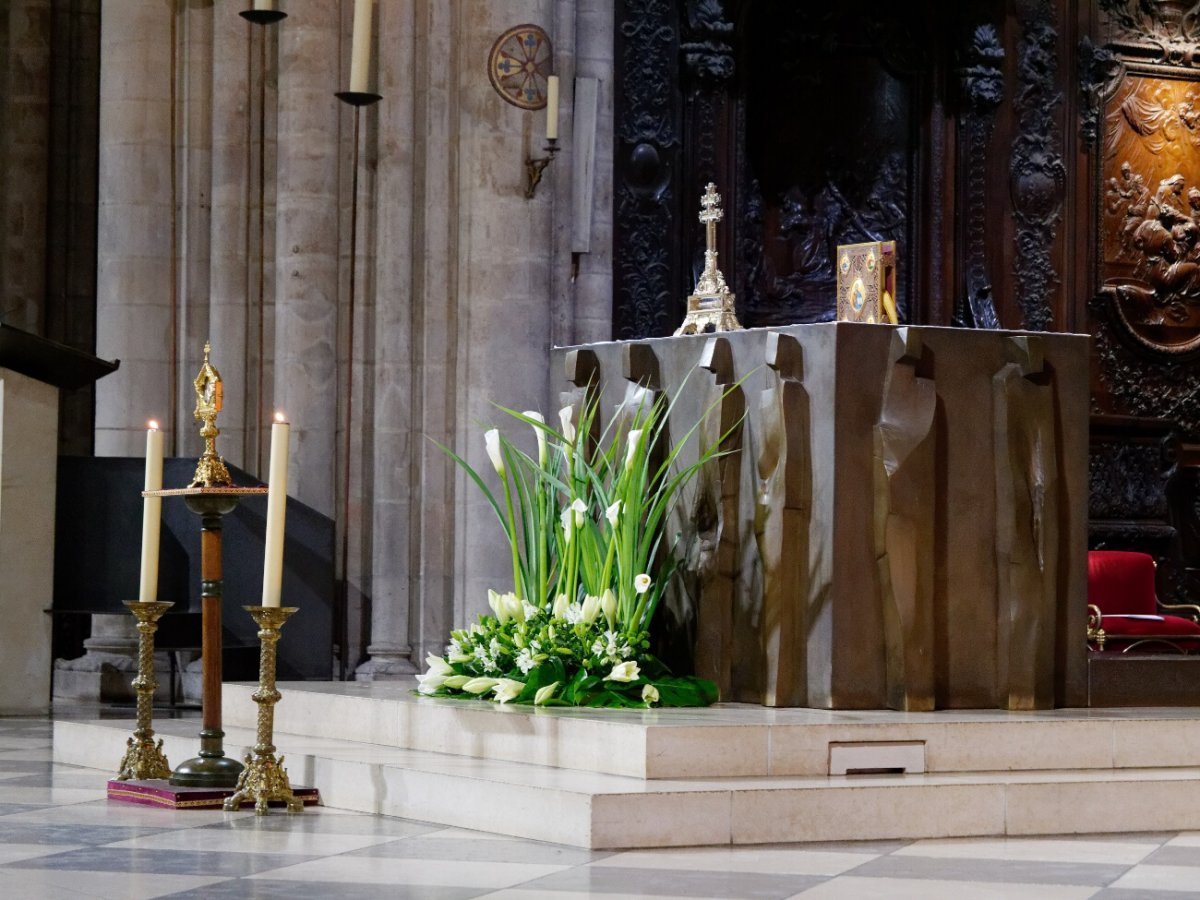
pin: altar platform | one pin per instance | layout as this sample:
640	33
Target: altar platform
730	774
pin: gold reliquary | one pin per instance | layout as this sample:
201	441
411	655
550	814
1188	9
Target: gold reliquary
866	282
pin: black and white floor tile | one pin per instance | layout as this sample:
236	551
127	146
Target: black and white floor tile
60	839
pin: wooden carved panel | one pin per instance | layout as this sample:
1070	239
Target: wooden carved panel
830	101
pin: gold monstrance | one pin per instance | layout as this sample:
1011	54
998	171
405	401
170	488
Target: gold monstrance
710	306
210	469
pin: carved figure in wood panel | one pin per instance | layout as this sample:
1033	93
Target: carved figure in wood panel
1027	523
1150	229
715	517
802	198
782	512
904	457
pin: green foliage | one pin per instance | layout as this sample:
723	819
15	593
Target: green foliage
585	527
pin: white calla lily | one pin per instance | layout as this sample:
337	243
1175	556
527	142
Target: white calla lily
480	685
561	605
438	665
567	518
499	607
641	583
580	509
613	513
430	682
545	693
565	415
650	695
631	447
539	432
508	689
591	608
624	671
491	440
608	603
514	607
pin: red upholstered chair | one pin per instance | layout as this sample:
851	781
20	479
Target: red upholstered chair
1123	608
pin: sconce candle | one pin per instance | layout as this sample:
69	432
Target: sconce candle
360	48
276	511
151	515
552	108
264	5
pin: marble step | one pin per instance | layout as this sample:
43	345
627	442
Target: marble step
728	740
598	810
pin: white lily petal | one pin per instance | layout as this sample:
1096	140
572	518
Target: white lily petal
491	440
624	671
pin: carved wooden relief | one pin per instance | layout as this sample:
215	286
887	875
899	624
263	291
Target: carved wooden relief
905	451
811	70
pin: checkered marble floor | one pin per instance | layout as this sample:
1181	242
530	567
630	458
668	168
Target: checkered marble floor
60	838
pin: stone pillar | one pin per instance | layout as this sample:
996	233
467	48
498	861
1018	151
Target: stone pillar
25	107
306	249
502	293
134	292
234	165
391	530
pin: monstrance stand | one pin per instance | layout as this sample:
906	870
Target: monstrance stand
710	306
211	495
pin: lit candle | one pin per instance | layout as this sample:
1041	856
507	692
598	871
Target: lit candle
360	48
552	108
276	512
151	514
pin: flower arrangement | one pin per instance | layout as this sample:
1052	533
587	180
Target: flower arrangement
586	529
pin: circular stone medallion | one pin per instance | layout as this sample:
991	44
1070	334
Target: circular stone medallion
519	65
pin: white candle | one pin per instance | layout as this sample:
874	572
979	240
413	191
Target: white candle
360	48
552	108
276	512
151	515
266	5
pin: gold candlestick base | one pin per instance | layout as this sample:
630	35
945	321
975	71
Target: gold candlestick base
143	757
265	779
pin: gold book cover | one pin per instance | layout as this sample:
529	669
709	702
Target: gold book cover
866	282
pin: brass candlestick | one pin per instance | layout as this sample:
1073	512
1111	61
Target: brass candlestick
265	779
144	758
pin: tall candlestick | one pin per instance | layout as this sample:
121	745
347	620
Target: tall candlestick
151	515
276	511
552	108
360	48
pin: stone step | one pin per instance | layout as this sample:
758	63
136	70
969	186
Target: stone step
727	740
600	810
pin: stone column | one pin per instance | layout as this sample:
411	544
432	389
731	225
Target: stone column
391	525
25	105
503	306
306	249
134	291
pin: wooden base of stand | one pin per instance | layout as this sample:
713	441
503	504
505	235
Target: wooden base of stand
160	792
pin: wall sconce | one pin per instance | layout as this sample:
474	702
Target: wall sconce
535	166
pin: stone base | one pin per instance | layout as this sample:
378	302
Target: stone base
730	774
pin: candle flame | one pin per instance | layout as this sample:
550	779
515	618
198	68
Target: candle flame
152	424
280	417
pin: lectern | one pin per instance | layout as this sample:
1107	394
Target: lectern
32	370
